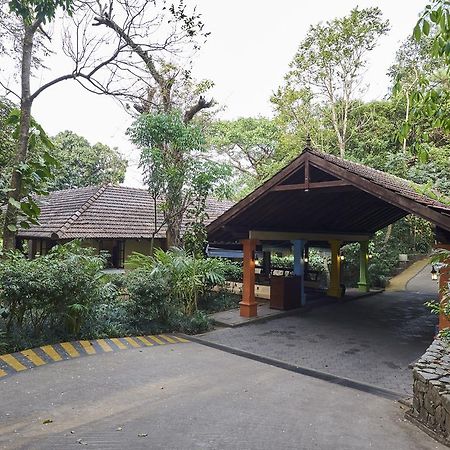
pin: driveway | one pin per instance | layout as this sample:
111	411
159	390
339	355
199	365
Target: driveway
189	396
371	340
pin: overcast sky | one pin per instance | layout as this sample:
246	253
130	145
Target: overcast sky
251	45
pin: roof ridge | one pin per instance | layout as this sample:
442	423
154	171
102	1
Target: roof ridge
83	208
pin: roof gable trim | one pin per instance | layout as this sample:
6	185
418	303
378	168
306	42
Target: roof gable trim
60	234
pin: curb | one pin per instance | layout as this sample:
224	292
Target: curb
292	312
12	363
436	436
313	373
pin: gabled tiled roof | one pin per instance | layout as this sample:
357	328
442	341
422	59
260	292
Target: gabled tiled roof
321	193
401	186
103	212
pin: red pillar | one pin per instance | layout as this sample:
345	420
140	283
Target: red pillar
444	278
248	306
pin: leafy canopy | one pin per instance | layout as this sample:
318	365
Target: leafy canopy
41	11
82	164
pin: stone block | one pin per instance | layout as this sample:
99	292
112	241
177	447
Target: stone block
419	386
437	385
447	426
429	404
424	377
439	415
416	403
434	395
445	400
431	421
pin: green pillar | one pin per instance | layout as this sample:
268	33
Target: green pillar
363	284
334	289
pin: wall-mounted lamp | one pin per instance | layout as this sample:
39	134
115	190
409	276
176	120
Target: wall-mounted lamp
434	274
342	257
370	256
305	259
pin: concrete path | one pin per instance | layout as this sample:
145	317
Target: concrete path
399	282
192	397
371	340
422	283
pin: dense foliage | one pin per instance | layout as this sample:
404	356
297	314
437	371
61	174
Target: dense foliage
178	178
50	296
82	164
65	295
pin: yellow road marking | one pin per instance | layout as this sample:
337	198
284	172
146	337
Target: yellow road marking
145	341
168	339
50	351
132	342
70	349
2	373
104	345
33	357
119	343
11	361
158	341
88	347
180	339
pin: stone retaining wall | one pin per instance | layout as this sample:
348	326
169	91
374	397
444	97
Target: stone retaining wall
431	391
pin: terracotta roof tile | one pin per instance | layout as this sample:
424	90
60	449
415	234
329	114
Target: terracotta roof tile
103	212
391	182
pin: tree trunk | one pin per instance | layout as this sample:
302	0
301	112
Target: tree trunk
406	119
173	233
9	236
340	138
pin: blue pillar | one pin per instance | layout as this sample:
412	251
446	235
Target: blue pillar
299	266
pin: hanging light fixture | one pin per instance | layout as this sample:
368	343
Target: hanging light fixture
434	274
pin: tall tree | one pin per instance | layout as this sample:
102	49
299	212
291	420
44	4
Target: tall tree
33	15
179	179
101	62
412	63
82	164
429	96
245	143
165	93
7	147
331	60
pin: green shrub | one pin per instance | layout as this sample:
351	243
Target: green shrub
215	301
199	322
165	290
107	319
150	301
233	270
282	262
180	277
51	294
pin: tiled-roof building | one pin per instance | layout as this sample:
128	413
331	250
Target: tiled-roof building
117	219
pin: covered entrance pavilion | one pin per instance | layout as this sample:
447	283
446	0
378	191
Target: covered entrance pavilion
323	199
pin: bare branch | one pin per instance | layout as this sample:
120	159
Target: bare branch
201	104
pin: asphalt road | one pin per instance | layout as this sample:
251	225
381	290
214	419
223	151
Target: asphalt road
372	340
190	396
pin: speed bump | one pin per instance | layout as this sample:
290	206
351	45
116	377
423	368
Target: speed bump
47	354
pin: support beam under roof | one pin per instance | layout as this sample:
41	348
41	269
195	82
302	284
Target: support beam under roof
311	185
264	235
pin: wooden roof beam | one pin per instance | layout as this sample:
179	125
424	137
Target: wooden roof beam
387	195
264	235
311	185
